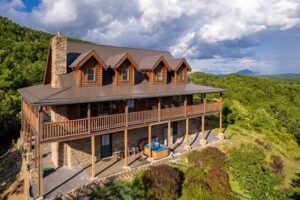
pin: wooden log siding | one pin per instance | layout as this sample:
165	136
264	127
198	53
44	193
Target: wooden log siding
30	114
53	130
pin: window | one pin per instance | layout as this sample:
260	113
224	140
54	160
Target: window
83	110
131	107
158	75
181	75
124	73
178	100
90	73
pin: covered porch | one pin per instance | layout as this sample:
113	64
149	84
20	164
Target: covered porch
64	179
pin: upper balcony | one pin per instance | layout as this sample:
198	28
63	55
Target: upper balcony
72	129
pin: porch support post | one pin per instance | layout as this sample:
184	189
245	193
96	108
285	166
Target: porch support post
159	109
89	117
203	140
93	156
187	132
185	106
40	171
126	113
169	134
35	152
39	138
125	148
221	134
149	141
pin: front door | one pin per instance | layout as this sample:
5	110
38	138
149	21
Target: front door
106	147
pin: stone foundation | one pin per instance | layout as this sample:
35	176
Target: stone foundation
78	152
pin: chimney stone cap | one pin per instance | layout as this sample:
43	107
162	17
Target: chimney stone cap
58	33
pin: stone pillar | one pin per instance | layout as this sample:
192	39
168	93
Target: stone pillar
69	155
58	113
55	153
58	59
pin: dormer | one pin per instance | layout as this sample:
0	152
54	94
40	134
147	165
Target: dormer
181	68
88	69
124	67
155	69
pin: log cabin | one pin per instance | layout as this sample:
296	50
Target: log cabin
97	100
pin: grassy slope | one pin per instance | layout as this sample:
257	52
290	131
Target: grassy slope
254	107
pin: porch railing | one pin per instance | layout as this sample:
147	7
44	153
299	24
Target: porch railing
54	130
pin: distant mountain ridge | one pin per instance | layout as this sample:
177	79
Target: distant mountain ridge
247	72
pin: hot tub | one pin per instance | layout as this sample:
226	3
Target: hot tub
158	150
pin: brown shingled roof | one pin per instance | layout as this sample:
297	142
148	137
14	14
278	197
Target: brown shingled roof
45	95
86	55
152	62
74	49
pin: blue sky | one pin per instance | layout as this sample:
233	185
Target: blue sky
216	36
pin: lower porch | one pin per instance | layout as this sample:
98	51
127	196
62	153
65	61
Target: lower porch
64	179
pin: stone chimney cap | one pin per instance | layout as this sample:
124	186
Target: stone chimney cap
58	33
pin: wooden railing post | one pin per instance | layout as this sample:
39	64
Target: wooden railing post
185	106
159	109
89	117
126	114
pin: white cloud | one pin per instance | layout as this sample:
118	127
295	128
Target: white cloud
191	28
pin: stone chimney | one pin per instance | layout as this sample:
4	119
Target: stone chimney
59	59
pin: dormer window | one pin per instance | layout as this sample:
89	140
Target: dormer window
181	75
124	73
91	74
158	75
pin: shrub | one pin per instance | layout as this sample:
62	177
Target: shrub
247	165
276	164
115	190
218	180
208	157
161	182
210	186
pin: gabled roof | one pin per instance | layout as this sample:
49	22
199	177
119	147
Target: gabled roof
115	61
74	49
152	62
176	63
82	58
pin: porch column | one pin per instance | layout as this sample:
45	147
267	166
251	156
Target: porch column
126	137
159	109
149	141
185	106
169	134
221	134
125	147
93	156
89	117
203	140
40	149
36	152
187	132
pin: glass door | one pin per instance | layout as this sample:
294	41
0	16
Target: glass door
106	146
